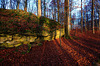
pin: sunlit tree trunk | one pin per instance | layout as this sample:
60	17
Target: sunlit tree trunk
39	8
67	22
93	30
81	18
25	8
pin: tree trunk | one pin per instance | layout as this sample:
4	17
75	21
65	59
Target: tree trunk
18	4
96	24
3	4
93	30
99	19
67	22
81	18
10	4
70	14
44	9
85	23
58	10
54	10
25	8
39	8
53	13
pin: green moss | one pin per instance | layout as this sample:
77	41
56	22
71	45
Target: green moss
7	54
1	59
28	51
13	51
23	52
39	44
16	50
2	48
29	46
68	37
30	13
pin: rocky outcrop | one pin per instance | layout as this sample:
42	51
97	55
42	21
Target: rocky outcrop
17	40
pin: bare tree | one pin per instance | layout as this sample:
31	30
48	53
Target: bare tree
39	8
67	22
18	1
98	10
25	8
93	17
3	4
81	18
44	8
85	18
58	9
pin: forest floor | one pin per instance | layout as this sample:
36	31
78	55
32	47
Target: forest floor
82	50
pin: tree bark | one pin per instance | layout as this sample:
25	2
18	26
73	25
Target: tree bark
3	4
85	23
99	19
70	15
81	18
25	8
93	30
10	4
67	22
44	9
88	23
58	10
54	10
39	8
18	4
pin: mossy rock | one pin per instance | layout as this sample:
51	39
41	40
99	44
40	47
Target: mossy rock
6	45
17	45
26	42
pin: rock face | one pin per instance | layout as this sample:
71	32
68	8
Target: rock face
16	40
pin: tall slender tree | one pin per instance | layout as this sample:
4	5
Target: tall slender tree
93	17
67	22
39	8
58	9
97	5
10	4
3	4
44	8
85	10
99	19
81	18
70	13
25	8
54	9
85	23
18	1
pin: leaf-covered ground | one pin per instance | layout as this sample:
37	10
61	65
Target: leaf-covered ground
82	50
